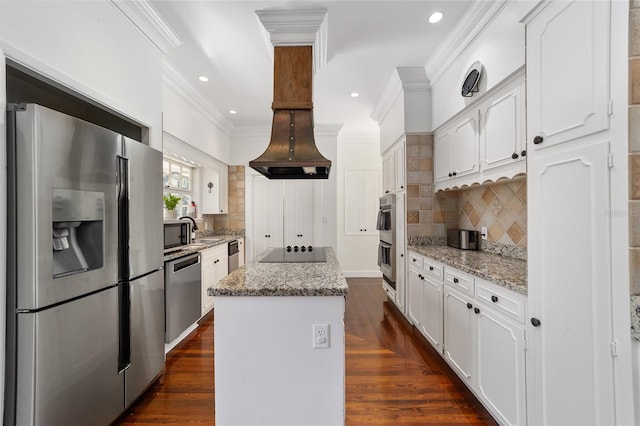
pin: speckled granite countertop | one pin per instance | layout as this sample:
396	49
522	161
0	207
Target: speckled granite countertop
635	317
506	271
196	247
284	279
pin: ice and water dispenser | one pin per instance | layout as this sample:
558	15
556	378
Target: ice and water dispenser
78	231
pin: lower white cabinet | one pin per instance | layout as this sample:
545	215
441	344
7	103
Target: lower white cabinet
478	328
458	334
215	266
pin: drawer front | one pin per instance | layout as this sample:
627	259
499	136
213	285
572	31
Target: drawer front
459	280
503	300
433	269
415	260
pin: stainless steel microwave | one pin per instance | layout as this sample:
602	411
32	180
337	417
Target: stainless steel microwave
177	233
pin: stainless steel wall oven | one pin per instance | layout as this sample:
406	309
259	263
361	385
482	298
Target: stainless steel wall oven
386	252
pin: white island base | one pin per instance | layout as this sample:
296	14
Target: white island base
267	371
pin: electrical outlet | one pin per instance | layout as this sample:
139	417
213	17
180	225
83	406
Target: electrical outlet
320	336
483	232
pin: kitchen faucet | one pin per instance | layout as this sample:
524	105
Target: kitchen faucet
195	227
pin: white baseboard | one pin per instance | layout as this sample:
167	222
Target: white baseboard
362	274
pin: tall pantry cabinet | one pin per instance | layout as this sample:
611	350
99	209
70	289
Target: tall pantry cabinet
571	345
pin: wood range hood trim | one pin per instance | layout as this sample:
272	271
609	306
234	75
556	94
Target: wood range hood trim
292	152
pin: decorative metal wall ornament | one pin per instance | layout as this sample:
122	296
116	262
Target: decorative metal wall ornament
210	185
471	80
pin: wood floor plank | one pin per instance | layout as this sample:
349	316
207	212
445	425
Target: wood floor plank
393	375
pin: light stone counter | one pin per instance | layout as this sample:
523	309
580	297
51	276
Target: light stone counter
196	247
505	271
284	279
635	317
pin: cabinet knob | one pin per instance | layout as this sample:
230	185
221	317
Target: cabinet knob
494	299
455	173
401	186
537	140
413	260
476	310
514	155
365	229
455	280
450	174
535	322
401	255
524	153
431	268
386	192
469	305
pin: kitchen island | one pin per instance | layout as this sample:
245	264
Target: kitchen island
279	343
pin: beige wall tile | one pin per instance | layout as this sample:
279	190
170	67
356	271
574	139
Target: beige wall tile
634	4
439	216
413	203
426	203
413	217
634	176
634	223
634	127
413	190
634	81
634	270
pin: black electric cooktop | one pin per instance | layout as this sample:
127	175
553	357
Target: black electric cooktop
291	255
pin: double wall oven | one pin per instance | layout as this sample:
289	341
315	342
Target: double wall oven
386	253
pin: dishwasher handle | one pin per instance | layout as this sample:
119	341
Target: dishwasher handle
233	247
184	264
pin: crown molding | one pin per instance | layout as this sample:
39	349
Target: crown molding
477	18
409	79
298	28
144	16
172	78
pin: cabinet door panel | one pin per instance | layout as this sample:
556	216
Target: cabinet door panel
400	166
210	196
464	155
299	212
458	334
442	155
371	200
501	371
571	374
568	71
415	298
432	312
500	133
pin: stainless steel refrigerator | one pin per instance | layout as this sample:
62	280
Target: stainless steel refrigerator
85	290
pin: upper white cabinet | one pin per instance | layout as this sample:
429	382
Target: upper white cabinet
299	212
214	190
400	159
388	172
502	129
568	48
362	190
485	142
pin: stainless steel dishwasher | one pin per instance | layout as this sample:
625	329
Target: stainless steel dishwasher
233	255
182	292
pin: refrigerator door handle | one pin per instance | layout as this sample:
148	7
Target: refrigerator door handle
123	218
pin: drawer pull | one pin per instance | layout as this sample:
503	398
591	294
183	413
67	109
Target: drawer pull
431	268
455	280
469	305
476	310
494	299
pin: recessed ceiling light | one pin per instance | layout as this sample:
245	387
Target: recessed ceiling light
355	94
436	17
203	78
233	111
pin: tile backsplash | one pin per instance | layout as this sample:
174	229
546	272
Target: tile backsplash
501	207
634	148
234	220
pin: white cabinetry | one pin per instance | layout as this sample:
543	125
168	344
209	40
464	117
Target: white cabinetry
485	142
299	212
400	249
478	327
215	266
268	214
214	191
571	341
568	50
388	172
361	195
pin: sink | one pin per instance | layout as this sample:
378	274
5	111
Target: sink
207	240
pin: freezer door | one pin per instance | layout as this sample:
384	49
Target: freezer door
63	176
67	368
145	208
147	334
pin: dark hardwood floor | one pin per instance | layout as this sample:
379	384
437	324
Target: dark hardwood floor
393	376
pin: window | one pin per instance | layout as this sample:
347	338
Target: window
177	180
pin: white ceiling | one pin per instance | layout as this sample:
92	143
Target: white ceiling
225	41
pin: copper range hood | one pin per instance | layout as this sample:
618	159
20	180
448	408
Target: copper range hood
292	151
